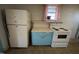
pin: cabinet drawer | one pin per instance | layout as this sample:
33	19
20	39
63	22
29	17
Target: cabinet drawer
59	45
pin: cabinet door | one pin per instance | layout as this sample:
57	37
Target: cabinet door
17	16
42	38
13	35
22	36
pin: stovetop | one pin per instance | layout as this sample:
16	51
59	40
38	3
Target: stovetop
59	29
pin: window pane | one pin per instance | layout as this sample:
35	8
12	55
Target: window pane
51	14
54	7
52	18
51	10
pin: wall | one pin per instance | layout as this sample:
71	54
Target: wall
70	17
69	14
37	11
3	37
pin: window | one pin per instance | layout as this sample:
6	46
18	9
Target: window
52	12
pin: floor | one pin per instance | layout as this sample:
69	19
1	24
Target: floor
73	48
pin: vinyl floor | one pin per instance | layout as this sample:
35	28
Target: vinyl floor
73	48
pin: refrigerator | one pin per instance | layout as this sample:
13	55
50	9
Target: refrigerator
18	23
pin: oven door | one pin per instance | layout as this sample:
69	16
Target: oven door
60	37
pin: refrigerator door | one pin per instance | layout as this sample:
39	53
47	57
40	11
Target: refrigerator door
13	35
14	16
18	36
23	36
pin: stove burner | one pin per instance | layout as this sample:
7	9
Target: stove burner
64	29
55	29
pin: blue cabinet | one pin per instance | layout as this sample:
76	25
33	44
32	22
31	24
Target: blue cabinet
42	38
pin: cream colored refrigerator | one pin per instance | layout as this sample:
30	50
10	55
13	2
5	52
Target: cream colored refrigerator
18	23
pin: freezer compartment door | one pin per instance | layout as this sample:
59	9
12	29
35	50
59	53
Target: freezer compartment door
17	16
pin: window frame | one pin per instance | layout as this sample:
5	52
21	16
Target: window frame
57	16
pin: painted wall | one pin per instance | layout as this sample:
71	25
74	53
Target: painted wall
70	17
37	11
3	37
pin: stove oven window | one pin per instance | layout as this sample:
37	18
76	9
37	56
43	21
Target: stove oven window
62	36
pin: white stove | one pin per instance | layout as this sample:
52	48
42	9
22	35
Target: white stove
61	36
